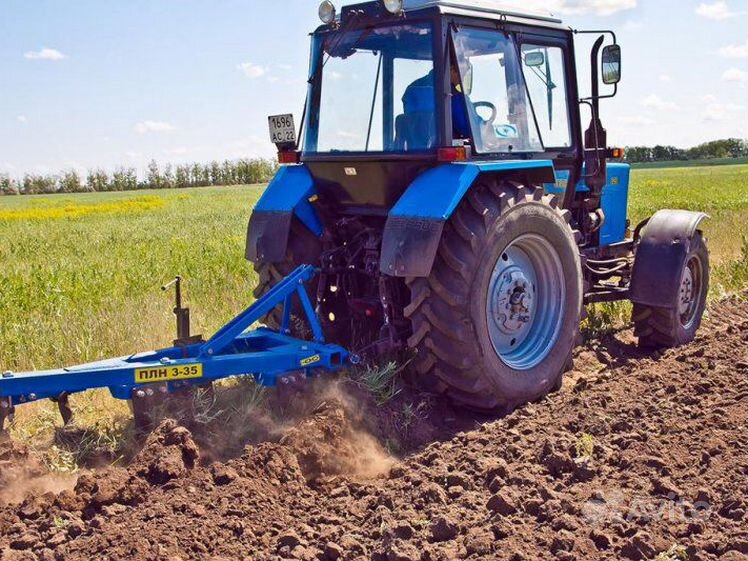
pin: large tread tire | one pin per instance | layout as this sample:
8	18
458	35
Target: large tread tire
664	328
455	355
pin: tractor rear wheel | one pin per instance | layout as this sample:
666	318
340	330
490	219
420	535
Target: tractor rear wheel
672	327
496	322
304	248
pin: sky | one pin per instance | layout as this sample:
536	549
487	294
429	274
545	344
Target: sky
92	83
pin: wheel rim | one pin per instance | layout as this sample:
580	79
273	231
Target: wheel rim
690	293
526	302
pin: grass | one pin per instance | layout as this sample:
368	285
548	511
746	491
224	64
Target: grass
381	381
80	279
691	163
43	209
721	192
585	447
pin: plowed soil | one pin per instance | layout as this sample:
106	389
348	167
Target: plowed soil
638	456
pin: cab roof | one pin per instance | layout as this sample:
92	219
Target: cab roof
483	8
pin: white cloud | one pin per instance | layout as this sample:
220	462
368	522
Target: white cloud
153	126
639	120
736	75
598	7
665	78
7	167
716	111
251	70
633	25
44	54
580	7
716	10
735	51
22	119
654	101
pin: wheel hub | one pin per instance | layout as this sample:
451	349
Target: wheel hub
686	294
515	302
526	302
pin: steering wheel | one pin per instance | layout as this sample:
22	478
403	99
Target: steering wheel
489	105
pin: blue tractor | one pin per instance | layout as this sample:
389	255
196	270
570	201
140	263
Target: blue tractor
445	190
443	200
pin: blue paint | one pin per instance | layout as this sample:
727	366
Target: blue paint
290	191
436	193
232	351
615	204
614	201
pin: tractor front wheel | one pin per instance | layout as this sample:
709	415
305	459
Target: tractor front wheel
675	326
496	322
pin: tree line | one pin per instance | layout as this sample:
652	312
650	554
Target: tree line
716	149
229	172
260	170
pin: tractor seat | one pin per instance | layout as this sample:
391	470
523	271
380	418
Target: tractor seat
415	129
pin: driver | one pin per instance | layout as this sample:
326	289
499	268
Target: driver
461	102
460	118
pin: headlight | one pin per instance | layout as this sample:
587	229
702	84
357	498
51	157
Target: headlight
327	12
394	7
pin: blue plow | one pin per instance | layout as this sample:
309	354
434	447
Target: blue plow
235	350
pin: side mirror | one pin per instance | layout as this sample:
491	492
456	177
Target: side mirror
612	64
534	59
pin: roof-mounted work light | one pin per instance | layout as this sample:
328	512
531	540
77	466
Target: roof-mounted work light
395	7
327	12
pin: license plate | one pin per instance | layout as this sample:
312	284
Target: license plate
168	373
282	129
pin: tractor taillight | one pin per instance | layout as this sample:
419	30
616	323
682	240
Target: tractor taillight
289	157
453	154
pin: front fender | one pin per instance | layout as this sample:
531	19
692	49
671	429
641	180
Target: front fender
415	224
661	255
287	196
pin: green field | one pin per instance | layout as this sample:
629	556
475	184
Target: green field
80	275
691	163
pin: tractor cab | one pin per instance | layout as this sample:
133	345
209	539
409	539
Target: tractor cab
417	83
429	81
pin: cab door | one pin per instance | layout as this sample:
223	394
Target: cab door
550	74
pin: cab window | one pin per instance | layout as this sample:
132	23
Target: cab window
545	76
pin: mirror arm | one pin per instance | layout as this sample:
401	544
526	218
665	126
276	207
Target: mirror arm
597	32
594	57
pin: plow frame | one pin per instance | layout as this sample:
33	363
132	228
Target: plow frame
234	350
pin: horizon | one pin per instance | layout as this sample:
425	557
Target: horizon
100	86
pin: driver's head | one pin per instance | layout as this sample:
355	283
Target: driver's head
462	73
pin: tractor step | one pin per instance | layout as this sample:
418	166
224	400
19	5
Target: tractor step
235	350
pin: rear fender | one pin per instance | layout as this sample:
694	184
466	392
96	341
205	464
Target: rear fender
415	224
661	255
287	196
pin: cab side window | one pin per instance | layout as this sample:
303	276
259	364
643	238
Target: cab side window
545	74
